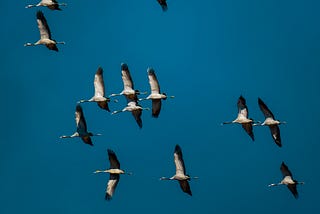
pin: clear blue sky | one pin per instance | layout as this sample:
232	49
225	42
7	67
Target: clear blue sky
205	53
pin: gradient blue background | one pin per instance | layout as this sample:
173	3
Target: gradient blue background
205	53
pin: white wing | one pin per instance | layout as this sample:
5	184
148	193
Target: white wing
126	77
112	184
43	26
99	83
178	160
153	81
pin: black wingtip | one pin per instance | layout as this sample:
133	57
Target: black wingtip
99	70
78	107
124	66
177	148
150	70
108	197
110	152
40	14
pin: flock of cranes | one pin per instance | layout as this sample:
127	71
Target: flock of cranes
248	123
131	95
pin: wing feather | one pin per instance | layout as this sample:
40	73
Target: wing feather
249	129
80	120
126	77
285	170
242	107
178	160
43	26
265	110
114	163
99	83
153	81
275	133
156	107
111	186
293	189
185	187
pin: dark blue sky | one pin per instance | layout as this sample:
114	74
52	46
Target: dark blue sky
205	53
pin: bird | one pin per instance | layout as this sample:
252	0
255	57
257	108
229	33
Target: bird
51	4
271	122
163	4
155	95
81	128
99	89
243	117
288	180
128	88
180	175
135	109
114	172
45	34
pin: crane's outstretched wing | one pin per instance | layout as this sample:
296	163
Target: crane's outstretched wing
114	163
178	160
153	81
43	26
80	120
249	129
126	77
265	110
242	107
87	140
156	107
293	189
185	186
111	186
99	83
275	133
163	4
285	170
137	116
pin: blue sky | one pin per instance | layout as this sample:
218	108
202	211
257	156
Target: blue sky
205	53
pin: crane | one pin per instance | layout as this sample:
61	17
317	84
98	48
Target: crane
45	34
99	90
271	122
180	175
128	88
51	4
155	95
114	172
81	128
135	109
288	180
243	117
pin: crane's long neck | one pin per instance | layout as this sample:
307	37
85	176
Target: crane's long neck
100	171
275	184
166	178
31	5
116	112
113	95
76	134
228	122
30	44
